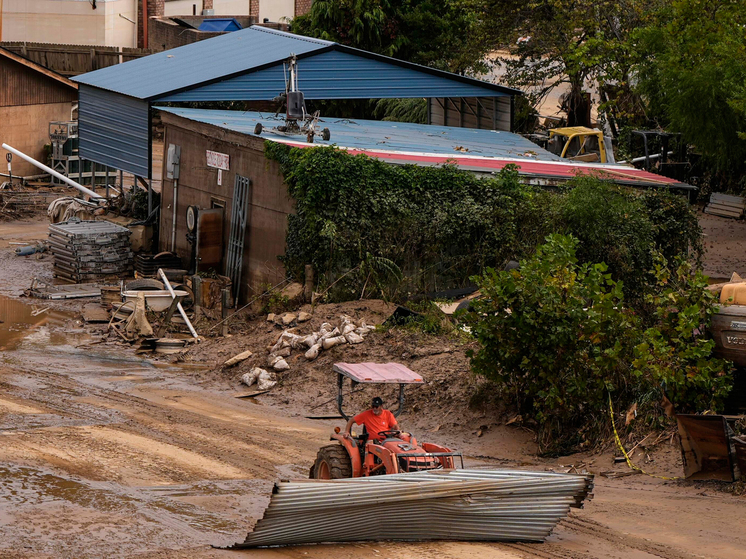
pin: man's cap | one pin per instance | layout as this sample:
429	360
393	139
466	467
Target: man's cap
377	401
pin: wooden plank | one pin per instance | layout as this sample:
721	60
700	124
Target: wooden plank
735	213
725	207
722	213
726	203
727	198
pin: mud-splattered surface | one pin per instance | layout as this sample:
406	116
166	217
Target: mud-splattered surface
104	453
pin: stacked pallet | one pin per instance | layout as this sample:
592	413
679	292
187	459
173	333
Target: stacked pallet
724	205
86	251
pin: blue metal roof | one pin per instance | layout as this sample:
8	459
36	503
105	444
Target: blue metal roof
381	135
217	58
247	65
334	75
220	24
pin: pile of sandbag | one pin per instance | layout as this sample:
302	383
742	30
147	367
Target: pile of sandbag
328	336
264	379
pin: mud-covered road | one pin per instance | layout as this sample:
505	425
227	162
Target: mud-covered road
106	454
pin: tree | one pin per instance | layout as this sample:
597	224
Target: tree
692	73
444	34
555	42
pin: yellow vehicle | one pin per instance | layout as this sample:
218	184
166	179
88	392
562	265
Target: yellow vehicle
579	143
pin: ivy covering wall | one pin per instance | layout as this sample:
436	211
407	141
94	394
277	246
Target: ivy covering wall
394	230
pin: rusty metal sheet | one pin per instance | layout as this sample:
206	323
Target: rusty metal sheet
383	373
705	447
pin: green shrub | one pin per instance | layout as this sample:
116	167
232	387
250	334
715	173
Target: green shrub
612	227
556	338
676	352
554	335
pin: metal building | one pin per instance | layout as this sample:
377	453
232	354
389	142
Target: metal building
239	198
249	65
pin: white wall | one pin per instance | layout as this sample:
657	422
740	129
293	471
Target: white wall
221	7
276	10
70	22
273	10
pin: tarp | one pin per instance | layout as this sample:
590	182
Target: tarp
220	24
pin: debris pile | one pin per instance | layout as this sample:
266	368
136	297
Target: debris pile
86	251
328	336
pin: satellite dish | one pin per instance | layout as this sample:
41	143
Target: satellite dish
191	218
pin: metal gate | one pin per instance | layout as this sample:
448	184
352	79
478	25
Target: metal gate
239	220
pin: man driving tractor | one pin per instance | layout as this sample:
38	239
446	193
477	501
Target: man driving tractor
376	420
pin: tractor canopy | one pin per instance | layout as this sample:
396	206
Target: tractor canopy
374	373
378	373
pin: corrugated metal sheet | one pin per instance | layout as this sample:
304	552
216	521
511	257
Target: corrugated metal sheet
220	57
338	74
221	69
394	373
244	65
395	137
487	505
482	151
114	130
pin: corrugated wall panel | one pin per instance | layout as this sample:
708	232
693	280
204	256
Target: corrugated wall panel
114	130
336	75
472	112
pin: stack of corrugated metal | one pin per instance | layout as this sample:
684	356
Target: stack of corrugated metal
725	205
86	251
479	505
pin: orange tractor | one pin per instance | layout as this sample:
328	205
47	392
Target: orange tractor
396	452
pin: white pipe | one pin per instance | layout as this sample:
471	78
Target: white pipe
642	158
178	305
173	226
52	172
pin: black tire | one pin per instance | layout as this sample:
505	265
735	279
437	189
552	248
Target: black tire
333	459
325	134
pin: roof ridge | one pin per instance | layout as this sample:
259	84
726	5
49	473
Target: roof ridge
292	35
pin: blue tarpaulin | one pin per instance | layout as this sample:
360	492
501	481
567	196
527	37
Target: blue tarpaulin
220	24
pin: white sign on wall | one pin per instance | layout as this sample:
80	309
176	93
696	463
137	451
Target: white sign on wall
218	160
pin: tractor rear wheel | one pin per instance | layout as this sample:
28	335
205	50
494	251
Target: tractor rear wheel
332	462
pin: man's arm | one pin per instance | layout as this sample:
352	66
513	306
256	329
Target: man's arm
346	434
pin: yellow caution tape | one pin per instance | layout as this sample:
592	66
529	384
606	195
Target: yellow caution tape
624	452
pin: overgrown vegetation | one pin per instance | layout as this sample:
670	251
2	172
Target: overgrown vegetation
394	230
557	339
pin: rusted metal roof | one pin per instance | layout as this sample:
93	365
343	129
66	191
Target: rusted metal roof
478	505
378	373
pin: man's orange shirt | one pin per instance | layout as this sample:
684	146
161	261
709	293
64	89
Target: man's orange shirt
374	424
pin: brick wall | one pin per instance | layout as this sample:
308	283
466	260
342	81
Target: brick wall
207	5
156	8
254	8
302	7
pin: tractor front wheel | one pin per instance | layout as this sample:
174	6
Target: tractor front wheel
332	462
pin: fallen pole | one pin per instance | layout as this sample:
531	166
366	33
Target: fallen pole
52	172
178	305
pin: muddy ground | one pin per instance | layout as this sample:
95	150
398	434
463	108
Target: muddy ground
107	453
